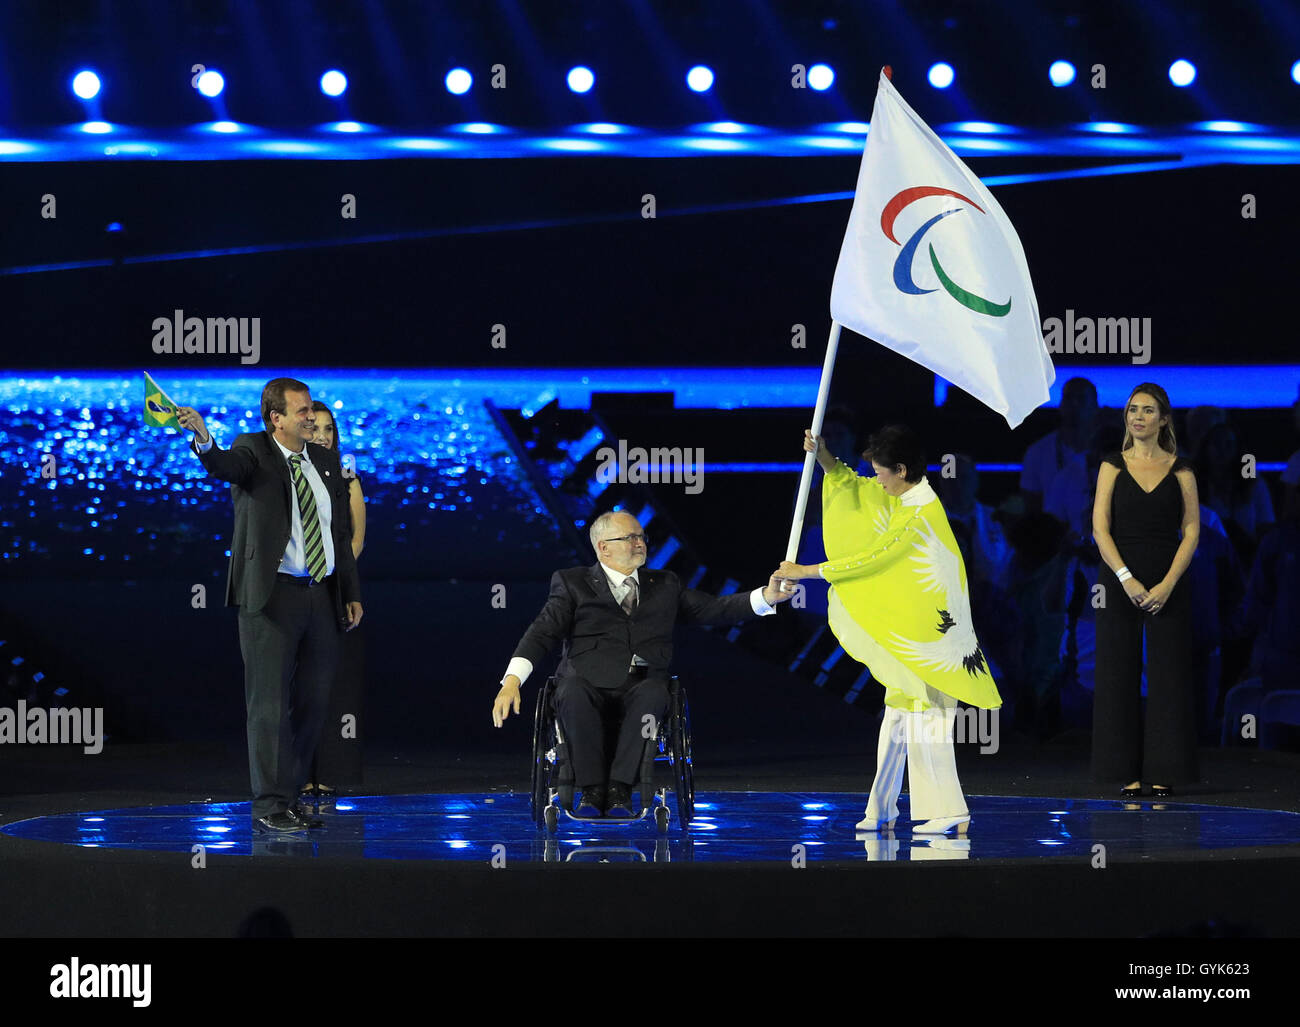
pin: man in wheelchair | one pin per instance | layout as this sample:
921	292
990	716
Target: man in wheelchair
615	622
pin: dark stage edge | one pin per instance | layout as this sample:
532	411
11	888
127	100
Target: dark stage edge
1246	888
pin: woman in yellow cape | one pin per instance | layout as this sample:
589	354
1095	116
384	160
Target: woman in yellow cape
899	603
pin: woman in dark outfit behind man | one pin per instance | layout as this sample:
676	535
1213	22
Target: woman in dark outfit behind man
338	757
1146	496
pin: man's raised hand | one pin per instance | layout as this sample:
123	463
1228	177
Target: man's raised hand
191	421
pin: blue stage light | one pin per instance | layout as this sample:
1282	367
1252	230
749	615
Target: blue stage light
458	81
821	77
211	83
333	83
941	75
580	79
1061	73
700	79
1295	73
85	84
1182	73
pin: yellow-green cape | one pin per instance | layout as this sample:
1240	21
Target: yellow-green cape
899	601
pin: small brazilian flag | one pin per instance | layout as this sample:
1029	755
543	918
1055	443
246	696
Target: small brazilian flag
159	410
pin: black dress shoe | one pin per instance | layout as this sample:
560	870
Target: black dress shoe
1129	793
591	803
1161	791
280	823
620	802
304	820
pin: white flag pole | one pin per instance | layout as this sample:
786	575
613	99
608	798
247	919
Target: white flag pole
805	482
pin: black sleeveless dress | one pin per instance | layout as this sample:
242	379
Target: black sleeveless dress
1146	528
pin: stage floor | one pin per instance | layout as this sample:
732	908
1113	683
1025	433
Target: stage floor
729	827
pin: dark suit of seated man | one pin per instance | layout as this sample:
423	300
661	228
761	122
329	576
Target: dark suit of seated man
615	622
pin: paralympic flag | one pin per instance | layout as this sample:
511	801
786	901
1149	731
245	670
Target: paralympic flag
159	410
932	268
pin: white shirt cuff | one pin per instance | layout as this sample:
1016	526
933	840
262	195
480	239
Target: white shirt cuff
520	668
759	604
203	447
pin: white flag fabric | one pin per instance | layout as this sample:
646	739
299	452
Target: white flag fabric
931	267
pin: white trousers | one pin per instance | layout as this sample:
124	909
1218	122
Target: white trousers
923	743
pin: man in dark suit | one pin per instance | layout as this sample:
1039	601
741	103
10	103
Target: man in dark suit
294	579
615	622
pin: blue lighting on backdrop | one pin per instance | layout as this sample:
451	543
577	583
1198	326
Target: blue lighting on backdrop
1213	141
1061	73
211	84
700	79
1182	73
821	77
458	81
85	84
580	79
941	75
333	83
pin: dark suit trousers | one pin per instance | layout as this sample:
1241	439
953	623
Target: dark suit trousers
290	650
592	718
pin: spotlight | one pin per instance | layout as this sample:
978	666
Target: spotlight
581	79
211	84
700	79
1295	73
458	81
333	83
941	75
85	84
820	77
1061	73
1182	73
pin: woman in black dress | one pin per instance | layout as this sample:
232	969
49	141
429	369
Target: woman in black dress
338	756
1146	499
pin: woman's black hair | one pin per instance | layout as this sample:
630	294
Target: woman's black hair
897	444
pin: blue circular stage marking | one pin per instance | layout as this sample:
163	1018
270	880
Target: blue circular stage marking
774	827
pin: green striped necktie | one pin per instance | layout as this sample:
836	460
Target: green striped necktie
311	538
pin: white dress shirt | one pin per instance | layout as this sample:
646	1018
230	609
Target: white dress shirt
294	560
521	667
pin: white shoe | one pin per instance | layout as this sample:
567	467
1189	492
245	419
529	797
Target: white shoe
943	826
867	824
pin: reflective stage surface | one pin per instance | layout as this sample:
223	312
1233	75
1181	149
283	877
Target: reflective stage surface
729	827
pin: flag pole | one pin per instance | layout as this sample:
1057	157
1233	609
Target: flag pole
819	411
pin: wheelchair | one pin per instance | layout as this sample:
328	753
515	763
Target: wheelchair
666	758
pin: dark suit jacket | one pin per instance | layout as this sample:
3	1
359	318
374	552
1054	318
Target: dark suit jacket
599	638
262	489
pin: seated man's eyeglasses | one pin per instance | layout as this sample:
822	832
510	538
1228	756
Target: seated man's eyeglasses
626	538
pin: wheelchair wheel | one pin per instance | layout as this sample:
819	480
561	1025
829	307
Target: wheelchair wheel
543	739
683	758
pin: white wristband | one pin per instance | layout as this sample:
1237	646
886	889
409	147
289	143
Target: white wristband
1123	574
